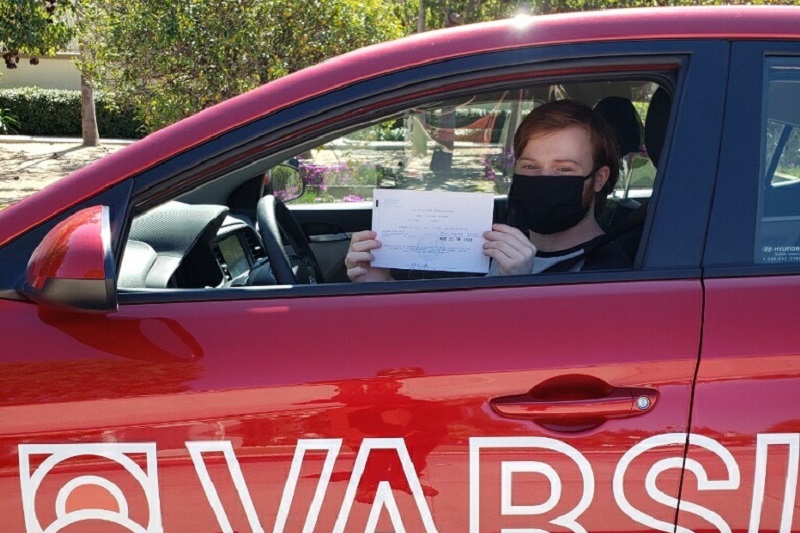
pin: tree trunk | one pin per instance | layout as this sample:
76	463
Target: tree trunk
421	17
89	132
88	114
469	16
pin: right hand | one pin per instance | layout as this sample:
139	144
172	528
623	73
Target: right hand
359	258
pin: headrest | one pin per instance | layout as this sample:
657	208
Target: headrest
624	119
137	261
171	230
655	127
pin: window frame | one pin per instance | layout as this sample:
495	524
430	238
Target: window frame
463	74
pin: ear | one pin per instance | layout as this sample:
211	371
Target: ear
600	178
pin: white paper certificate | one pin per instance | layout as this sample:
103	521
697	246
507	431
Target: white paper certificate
431	230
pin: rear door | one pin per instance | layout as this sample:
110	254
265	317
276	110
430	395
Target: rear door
742	470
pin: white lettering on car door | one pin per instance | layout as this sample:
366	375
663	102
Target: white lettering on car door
196	450
119	453
508	468
384	496
38	462
765	440
676	440
332	446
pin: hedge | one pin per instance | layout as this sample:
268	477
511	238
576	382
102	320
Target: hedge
57	113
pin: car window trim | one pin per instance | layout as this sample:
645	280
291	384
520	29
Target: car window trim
150	296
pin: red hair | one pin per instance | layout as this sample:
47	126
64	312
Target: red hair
561	114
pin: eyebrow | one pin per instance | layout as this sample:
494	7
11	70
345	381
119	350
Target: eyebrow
557	161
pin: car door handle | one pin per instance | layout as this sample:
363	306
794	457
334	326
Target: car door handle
618	403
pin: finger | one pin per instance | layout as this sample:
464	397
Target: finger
362	236
358	258
510	252
356	272
505	242
364	246
510	237
510	230
504	249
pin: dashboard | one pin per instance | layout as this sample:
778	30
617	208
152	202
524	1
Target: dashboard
237	253
178	245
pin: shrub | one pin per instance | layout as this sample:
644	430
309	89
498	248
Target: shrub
351	173
57	113
8	122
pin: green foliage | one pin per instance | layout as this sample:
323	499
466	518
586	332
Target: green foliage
35	27
468	11
172	59
389	130
52	112
464	11
561	6
8	122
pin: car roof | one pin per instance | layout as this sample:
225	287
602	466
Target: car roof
728	22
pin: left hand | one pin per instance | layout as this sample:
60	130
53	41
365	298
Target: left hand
510	248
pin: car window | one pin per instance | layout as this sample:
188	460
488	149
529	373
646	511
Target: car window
778	226
463	144
214	236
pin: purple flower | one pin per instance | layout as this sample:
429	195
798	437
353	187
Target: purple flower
502	162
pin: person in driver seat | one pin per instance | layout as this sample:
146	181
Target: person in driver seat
566	165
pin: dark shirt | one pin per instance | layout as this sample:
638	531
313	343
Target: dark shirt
597	254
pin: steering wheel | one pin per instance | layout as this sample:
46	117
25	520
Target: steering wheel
274	219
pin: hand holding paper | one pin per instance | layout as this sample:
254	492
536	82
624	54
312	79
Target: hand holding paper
424	230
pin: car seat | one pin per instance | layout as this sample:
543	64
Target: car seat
161	239
626	123
627	230
623	118
655	132
655	127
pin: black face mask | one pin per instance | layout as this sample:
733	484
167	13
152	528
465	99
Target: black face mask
548	204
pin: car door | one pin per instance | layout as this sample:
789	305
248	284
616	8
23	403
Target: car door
556	402
744	462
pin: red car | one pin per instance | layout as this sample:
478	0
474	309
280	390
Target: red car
182	350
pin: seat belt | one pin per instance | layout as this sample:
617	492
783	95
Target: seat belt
633	220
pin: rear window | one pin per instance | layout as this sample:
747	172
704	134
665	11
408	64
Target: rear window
778	226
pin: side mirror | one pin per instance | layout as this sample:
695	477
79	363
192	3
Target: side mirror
73	267
286	181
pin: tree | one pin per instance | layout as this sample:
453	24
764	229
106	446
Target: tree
437	11
562	6
441	13
42	27
34	27
171	59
